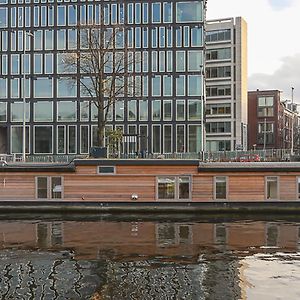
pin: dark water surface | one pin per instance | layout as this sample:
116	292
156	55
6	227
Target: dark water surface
158	258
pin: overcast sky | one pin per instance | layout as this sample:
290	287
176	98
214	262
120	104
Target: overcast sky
273	40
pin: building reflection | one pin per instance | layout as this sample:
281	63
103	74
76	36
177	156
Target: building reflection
49	234
152	260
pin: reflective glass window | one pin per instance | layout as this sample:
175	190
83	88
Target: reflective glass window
43	111
43	139
66	111
43	87
189	11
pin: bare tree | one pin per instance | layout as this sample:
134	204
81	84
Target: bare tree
103	65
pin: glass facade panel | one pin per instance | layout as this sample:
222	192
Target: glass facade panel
84	139
3	112
143	110
3	88
180	110
72	145
195	61
156	110
189	11
43	140
195	136
194	107
132	111
17	139
61	139
156	138
195	84
168	139
84	111
66	88
17	112
66	111
43	88
43	111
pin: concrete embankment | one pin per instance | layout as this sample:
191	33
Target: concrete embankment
268	207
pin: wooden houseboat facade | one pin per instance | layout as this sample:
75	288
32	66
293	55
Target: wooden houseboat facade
158	180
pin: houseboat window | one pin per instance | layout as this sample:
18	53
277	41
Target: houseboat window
42	188
106	169
56	188
49	188
272	188
184	187
166	188
220	188
174	188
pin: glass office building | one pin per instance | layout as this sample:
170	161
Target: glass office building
167	36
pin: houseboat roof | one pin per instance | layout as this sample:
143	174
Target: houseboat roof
202	166
249	167
136	162
36	167
70	167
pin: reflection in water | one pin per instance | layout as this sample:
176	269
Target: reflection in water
44	275
148	260
152	280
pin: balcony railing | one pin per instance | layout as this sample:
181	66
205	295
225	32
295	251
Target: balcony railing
220	156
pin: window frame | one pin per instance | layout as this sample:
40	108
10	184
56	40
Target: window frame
52	139
176	192
49	187
226	186
106	174
277	188
177	19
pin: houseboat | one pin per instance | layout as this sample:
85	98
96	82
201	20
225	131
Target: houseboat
150	180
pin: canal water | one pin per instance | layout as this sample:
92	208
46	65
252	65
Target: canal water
163	257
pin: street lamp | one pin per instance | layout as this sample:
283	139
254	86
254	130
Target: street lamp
25	34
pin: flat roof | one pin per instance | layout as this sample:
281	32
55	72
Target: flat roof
36	167
249	167
136	162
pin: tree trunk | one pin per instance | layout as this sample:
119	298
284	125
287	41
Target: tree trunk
101	126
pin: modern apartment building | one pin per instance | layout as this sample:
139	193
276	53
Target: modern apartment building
226	84
166	117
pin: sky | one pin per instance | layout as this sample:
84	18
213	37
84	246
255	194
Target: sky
273	41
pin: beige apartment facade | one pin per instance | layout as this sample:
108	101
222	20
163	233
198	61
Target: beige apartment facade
226	84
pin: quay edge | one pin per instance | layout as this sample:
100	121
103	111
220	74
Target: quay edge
232	207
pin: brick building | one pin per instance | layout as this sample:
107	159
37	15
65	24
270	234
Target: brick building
270	121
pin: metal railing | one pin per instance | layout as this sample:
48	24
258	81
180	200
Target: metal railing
251	155
275	155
